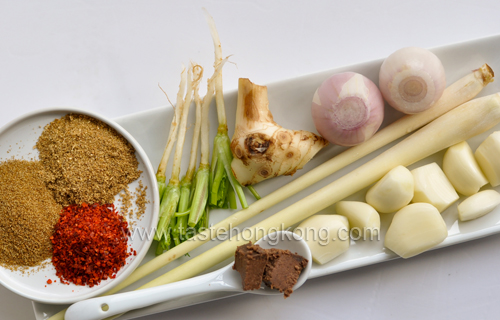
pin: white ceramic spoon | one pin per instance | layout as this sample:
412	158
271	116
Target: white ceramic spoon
225	279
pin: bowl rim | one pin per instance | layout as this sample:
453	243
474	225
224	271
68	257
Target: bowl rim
149	174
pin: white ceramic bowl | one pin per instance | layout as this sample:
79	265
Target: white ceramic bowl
17	139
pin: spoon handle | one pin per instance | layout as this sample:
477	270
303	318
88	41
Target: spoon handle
107	306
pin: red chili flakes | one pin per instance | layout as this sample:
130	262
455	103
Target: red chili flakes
89	244
49	281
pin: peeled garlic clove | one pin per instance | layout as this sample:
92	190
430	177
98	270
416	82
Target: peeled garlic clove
461	168
488	155
415	229
478	205
392	192
261	148
361	216
412	79
432	186
326	235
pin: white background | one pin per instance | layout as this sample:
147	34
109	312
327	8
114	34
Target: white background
109	57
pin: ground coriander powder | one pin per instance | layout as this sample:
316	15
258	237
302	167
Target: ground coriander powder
87	161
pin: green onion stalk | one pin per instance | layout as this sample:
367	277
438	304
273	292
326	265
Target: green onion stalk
172	136
179	231
198	217
172	192
221	175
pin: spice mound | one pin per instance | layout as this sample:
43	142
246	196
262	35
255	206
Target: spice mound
28	214
279	269
87	161
89	244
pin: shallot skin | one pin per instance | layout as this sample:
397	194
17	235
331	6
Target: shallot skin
347	109
412	79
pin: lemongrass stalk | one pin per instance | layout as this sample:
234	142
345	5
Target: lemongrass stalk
172	135
460	124
456	94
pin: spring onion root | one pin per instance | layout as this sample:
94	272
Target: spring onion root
263	149
461	91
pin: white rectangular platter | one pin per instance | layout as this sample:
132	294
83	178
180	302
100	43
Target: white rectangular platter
289	101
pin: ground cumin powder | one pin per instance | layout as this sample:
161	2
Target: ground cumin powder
87	161
28	213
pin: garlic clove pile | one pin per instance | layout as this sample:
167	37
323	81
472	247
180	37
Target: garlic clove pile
261	148
462	170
